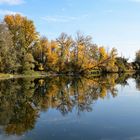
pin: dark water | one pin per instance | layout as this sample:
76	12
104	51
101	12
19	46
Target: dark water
70	108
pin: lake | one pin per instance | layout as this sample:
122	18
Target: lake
71	108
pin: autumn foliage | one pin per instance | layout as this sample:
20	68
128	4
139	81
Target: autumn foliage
22	50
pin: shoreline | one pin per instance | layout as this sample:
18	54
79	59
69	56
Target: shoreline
4	76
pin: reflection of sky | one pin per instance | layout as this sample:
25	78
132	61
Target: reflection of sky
4	137
111	119
113	23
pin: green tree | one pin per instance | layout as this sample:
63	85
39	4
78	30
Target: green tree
137	58
24	39
8	59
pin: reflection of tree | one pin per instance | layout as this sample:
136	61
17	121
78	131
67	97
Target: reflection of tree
66	93
122	79
137	79
16	111
21	99
23	119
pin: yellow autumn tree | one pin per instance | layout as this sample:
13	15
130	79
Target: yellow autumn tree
24	38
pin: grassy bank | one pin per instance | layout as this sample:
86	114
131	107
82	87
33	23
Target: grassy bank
35	74
2	75
26	75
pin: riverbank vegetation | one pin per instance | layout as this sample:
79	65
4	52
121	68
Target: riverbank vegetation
24	51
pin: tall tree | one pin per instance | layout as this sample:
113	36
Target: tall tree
64	42
8	59
137	58
24	38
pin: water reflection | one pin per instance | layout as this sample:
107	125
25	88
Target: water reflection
137	80
21	100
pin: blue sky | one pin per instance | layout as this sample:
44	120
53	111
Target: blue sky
112	23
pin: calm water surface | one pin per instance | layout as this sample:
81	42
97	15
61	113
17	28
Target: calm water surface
70	108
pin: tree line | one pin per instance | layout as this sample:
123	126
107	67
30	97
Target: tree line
23	50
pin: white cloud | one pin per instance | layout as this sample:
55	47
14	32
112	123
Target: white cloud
8	12
63	18
12	2
58	18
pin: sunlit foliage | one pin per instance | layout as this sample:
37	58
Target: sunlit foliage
63	55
